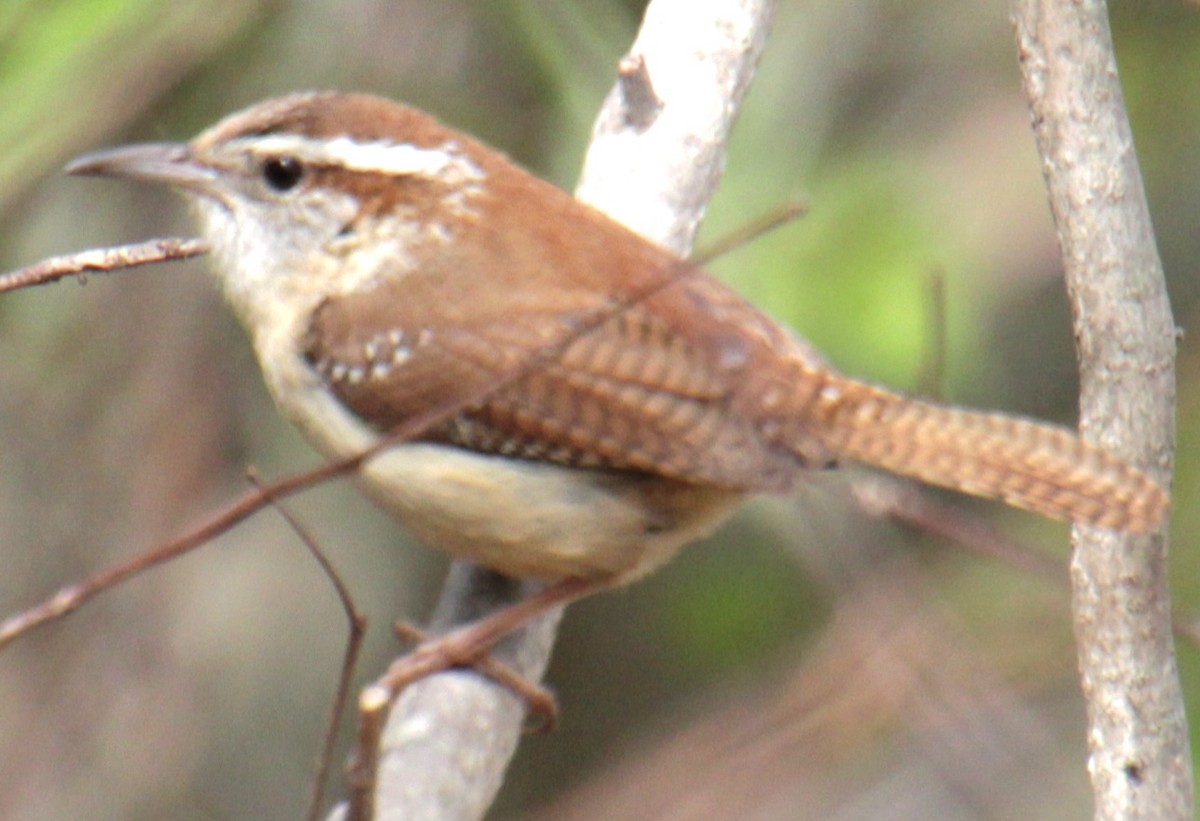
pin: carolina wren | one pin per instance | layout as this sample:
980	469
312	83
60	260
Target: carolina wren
385	264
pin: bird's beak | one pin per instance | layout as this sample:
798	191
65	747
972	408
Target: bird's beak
169	163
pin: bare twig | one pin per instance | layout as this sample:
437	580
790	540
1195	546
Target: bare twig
70	598
775	218
102	261
73	596
1138	744
654	170
911	504
356	631
931	374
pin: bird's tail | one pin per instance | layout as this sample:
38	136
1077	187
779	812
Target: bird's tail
1027	464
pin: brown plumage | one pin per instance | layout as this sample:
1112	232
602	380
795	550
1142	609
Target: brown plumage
637	392
458	271
687	381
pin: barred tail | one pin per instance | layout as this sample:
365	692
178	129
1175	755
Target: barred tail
1030	465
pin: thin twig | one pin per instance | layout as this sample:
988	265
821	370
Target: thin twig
102	261
357	630
908	503
775	218
904	501
71	597
931	374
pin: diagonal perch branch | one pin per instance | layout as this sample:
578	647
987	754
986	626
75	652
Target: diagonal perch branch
656	175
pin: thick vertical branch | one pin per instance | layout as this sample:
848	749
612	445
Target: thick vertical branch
656	156
1137	741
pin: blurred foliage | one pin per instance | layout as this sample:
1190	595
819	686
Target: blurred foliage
132	406
69	69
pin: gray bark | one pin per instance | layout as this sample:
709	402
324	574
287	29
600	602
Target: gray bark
1138	756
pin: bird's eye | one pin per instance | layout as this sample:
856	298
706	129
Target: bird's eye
282	173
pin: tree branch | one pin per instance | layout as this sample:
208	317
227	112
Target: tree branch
656	156
1139	760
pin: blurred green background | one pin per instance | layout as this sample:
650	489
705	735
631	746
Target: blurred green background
807	662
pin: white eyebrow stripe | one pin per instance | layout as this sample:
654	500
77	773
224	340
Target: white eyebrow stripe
383	157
